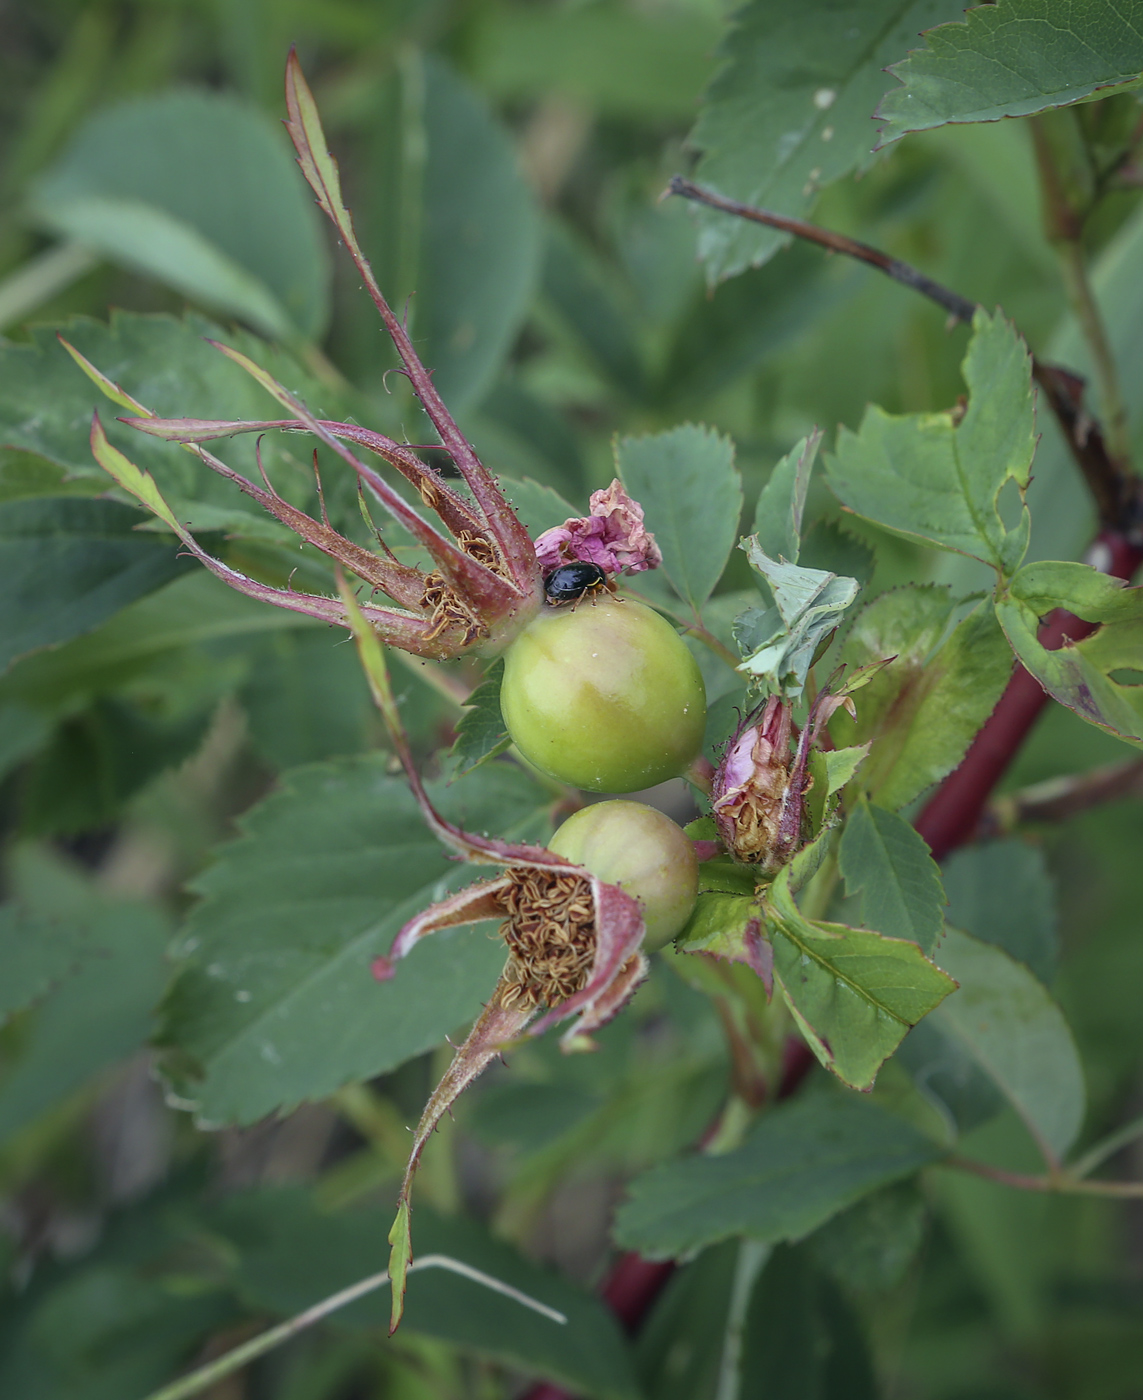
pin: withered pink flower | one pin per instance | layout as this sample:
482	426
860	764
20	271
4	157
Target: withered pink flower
759	791
612	535
486	584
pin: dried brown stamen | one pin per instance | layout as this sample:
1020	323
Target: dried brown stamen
449	610
550	933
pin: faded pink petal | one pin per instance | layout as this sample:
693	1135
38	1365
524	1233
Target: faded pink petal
612	535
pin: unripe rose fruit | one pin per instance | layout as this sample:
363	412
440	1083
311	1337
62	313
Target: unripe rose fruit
643	852
604	696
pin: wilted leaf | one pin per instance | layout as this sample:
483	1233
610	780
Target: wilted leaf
1098	677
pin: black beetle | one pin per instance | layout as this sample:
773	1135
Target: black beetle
572	581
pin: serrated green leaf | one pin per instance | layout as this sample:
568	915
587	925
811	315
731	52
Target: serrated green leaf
68	564
287	1255
1082	675
1001	892
480	732
1011	1027
778	517
779	643
46	404
854	994
936	478
274	1002
691	492
1011	59
789	111
801	1164
721	926
921	712
885	861
198	190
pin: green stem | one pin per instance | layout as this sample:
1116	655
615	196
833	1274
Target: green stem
1064	1183
1111	1144
41	279
1073	266
213	1371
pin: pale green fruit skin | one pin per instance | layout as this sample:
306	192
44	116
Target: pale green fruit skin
643	852
604	696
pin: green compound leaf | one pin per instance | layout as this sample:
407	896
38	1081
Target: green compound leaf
934	478
779	643
200	191
480	733
1013	58
854	994
691	492
778	518
801	1164
1008	1023
790	110
68	563
274	1002
884	859
921	712
1082	675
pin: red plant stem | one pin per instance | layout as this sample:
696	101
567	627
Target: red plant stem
954	812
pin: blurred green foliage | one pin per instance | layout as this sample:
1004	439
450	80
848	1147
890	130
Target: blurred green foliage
503	159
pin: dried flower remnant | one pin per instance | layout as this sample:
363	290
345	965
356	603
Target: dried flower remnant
485	584
612	535
574	943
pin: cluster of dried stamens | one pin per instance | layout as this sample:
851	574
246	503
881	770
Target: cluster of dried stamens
448	606
551	936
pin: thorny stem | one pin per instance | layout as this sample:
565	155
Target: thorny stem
213	1371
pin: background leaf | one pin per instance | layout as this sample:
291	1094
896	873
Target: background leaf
68	564
1013	1029
290	1256
691	491
800	1164
1001	892
198	190
932	478
790	110
889	864
1011	59
274	1002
